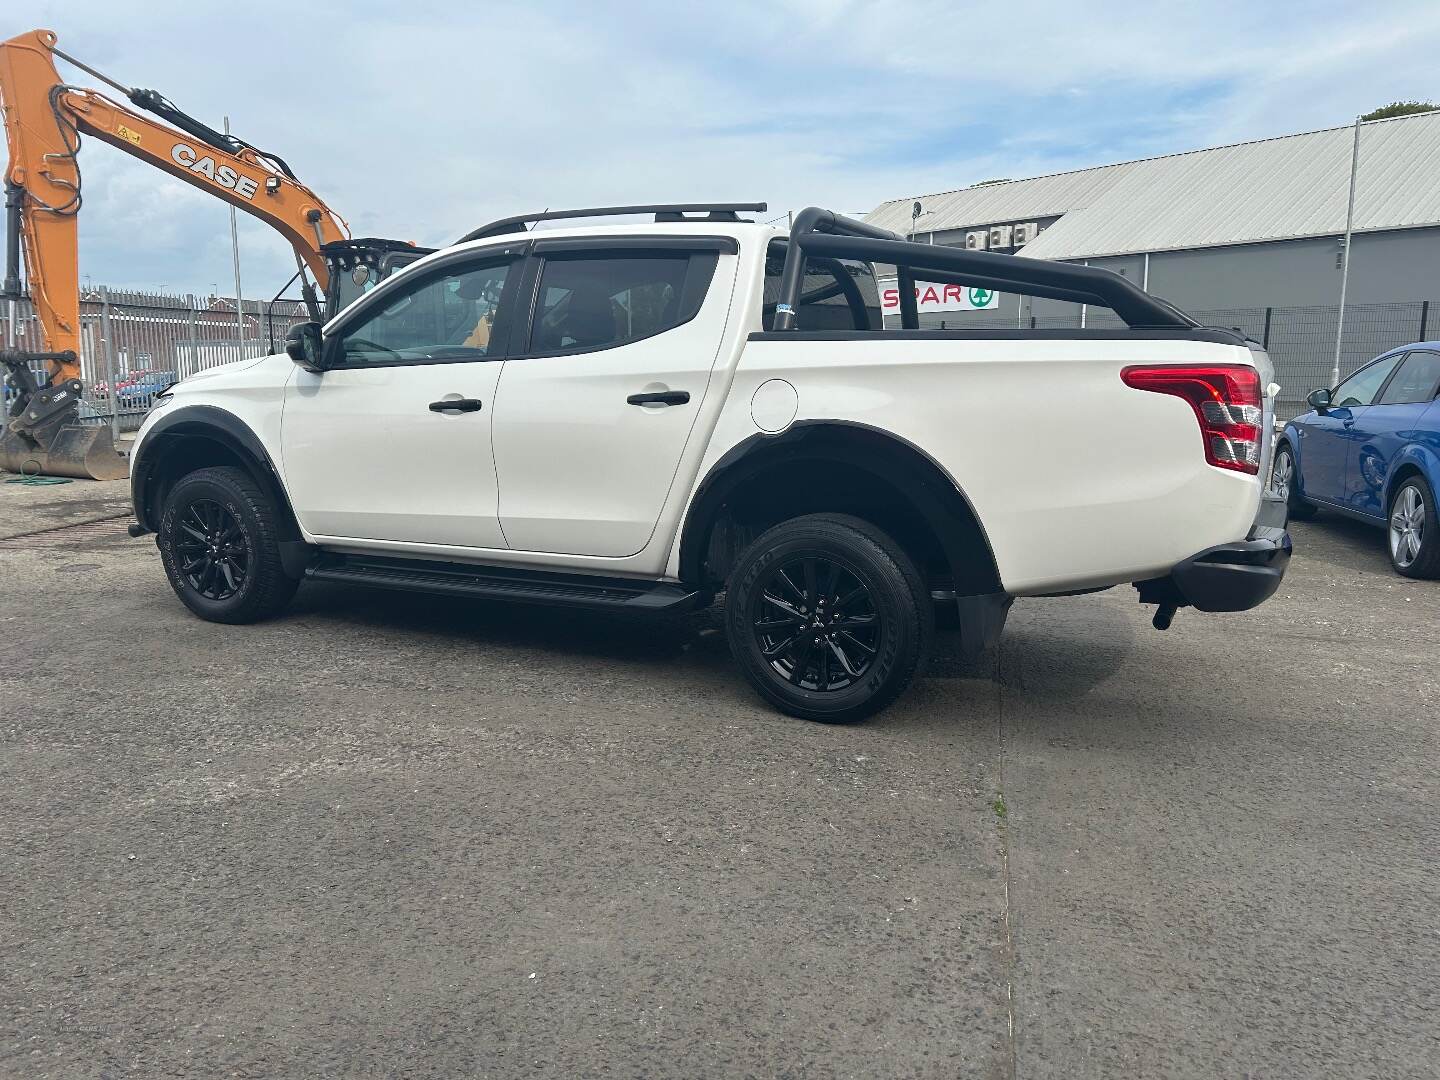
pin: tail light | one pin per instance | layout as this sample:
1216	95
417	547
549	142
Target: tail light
1226	400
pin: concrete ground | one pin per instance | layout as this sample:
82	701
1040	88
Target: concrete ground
388	835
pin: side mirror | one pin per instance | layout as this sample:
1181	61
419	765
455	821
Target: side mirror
1319	401
303	345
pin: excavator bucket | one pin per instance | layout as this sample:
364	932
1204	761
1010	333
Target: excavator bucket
83	451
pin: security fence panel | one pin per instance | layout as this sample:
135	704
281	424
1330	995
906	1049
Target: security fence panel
1301	343
1056	322
1248	321
1371	329
1300	340
1100	318
961	320
133	345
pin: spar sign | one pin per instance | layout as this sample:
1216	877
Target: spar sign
931	296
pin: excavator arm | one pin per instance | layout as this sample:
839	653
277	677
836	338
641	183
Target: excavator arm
45	119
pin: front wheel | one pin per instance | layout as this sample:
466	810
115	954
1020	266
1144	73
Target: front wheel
828	617
220	545
1413	533
1285	483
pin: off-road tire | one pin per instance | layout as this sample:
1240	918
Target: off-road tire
265	589
895	593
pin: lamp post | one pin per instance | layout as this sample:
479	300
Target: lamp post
1345	253
235	258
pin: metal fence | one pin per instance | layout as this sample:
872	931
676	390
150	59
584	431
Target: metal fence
134	344
1300	340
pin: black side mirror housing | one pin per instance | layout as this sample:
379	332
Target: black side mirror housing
304	345
1319	400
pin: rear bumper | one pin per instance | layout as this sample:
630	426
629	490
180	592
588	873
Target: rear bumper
1228	577
1238	576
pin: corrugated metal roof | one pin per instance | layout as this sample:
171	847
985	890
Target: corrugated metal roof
1012	200
1272	189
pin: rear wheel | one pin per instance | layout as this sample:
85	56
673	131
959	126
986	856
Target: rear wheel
220	545
1284	482
1414	534
828	617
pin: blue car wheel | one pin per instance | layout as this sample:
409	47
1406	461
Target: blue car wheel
1285	482
1412	528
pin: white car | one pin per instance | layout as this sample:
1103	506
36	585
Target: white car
638	417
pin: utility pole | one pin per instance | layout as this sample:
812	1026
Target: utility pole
1345	253
235	258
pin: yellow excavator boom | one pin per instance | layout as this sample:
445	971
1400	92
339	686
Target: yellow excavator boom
45	118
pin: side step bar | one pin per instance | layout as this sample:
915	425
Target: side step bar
494	583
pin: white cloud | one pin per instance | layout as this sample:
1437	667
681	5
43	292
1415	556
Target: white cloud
420	121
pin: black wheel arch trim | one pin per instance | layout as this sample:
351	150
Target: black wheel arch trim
219	426
929	488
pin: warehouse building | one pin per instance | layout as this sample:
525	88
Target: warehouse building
1249	235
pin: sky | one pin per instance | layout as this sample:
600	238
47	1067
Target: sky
420	121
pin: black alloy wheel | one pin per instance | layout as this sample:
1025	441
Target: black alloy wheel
827	617
219	539
214	555
816	623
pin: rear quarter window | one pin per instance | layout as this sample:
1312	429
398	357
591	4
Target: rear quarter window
837	294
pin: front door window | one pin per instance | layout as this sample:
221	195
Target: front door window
449	315
1361	388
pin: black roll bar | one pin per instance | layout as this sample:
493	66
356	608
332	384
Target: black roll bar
809	222
826	246
829	235
909	302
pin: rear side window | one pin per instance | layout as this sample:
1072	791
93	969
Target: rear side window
1415	381
837	294
600	300
1361	388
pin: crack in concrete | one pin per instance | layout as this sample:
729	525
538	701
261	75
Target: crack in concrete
1003	826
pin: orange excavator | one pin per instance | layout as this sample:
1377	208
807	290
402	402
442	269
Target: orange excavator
45	118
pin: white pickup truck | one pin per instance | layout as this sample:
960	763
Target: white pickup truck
637	418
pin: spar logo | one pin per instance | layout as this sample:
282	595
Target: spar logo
223	175
933	296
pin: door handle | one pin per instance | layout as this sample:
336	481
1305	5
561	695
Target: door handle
464	404
664	397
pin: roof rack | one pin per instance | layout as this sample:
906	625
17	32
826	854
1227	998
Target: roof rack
663	212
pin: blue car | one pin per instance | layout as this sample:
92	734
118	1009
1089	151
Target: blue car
1370	448
147	388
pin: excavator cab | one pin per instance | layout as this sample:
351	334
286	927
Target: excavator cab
357	266
354	267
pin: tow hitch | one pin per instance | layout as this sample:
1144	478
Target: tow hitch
1228	577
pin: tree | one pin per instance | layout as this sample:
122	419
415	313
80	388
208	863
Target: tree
1399	108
